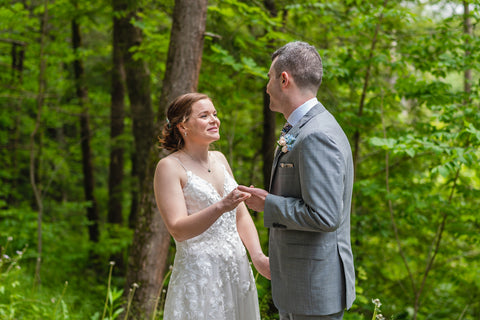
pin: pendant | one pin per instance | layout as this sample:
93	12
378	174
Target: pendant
209	170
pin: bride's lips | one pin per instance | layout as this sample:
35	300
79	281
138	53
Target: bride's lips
215	129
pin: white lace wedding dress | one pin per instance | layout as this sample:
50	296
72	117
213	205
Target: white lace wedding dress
211	277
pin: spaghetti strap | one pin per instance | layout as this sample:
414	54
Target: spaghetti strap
180	163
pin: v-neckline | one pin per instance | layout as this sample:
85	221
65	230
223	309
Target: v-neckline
209	183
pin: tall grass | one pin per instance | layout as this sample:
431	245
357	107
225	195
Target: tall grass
20	299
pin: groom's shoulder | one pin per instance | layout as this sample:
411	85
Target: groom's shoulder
324	124
320	120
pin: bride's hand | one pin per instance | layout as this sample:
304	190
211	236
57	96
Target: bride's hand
233	199
262	264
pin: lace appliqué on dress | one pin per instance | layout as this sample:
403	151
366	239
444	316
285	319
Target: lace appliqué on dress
211	277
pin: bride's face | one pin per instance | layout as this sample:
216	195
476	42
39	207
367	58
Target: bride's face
203	123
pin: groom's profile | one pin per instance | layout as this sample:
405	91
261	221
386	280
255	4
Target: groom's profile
308	204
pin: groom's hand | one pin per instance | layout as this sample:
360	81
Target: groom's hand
257	201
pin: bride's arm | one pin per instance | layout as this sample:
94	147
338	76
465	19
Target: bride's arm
171	203
248	234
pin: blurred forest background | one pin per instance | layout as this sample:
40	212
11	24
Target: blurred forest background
83	90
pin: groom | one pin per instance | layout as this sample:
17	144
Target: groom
308	206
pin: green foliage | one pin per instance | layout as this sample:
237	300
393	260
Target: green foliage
16	296
414	126
20	298
113	302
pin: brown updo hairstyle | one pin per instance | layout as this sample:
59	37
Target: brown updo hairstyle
178	111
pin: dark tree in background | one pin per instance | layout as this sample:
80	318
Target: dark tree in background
117	118
269	123
117	115
85	133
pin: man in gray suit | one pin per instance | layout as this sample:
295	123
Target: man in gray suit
308	206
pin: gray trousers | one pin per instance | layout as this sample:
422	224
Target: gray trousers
289	316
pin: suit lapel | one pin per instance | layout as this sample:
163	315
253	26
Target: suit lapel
316	109
278	151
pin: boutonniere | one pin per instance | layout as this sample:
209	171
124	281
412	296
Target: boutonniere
286	142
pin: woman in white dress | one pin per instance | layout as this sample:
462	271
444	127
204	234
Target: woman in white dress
204	212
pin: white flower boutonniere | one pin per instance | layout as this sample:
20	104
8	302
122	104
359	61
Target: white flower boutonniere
286	142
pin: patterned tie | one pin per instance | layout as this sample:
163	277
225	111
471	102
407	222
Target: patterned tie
285	129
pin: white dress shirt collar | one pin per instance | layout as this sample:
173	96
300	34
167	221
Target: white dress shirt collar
298	113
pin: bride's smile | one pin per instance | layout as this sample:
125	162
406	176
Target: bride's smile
203	122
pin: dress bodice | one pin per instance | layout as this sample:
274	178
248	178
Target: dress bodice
200	194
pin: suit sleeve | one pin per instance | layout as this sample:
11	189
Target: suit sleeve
321	174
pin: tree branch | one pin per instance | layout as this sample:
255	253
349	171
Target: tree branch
40	99
356	136
438	238
390	205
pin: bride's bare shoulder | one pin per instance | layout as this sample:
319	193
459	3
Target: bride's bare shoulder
169	166
220	157
217	155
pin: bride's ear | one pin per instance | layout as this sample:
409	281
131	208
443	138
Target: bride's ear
181	127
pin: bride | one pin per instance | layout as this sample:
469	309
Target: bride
204	212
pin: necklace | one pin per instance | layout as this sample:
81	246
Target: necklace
199	163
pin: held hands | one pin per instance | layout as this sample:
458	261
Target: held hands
257	200
233	199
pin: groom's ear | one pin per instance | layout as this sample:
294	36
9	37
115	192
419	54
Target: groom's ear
285	77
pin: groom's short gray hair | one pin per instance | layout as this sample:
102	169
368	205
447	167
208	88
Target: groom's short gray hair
302	61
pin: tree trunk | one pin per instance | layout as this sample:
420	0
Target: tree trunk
18	56
268	139
88	176
117	116
149	254
269	120
184	52
144	251
139	93
132	217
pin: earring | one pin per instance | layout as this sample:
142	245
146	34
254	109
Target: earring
185	133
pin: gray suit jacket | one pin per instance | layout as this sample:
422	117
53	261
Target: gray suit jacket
308	213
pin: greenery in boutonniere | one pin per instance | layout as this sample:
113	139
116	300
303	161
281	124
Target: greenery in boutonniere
286	142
